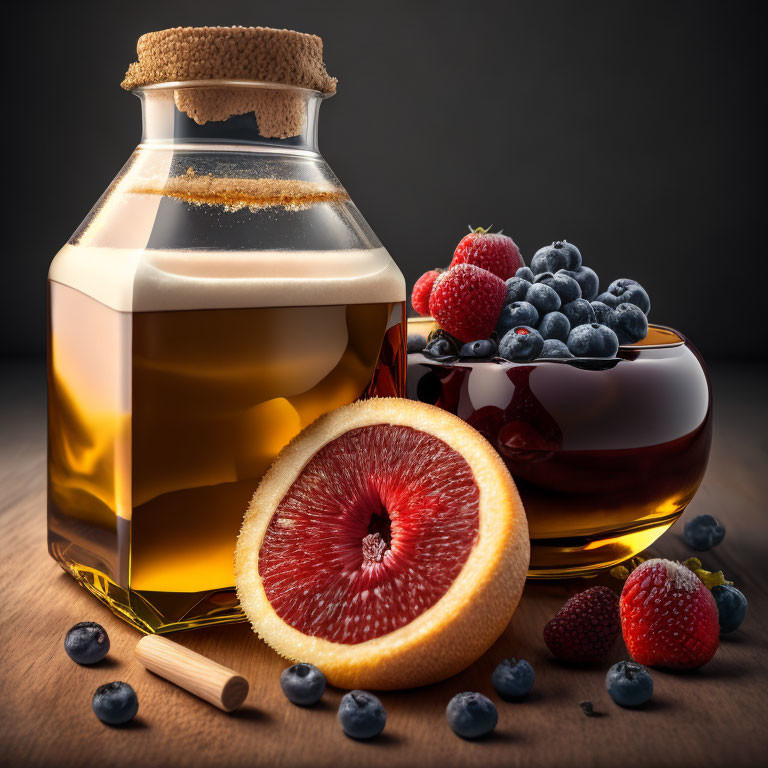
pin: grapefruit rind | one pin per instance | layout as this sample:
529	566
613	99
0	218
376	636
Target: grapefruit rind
462	624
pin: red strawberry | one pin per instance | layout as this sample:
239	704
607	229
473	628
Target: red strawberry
495	252
668	617
466	302
586	627
422	288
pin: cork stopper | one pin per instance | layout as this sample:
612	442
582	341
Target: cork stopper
278	56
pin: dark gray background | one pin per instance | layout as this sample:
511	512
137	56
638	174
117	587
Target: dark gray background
629	128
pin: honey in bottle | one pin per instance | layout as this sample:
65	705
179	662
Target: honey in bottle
222	294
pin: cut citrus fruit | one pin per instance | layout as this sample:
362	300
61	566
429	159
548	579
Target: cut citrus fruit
387	546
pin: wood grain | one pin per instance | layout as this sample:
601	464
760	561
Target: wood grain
707	718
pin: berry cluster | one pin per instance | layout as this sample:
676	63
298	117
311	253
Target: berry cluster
488	303
678	629
115	703
583	631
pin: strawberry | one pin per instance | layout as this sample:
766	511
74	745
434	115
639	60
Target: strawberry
466	302
492	251
586	627
668	617
422	288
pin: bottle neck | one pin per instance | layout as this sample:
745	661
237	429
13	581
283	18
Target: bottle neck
226	112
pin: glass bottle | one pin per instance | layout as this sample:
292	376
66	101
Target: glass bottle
222	294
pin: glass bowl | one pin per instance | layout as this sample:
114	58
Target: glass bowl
606	453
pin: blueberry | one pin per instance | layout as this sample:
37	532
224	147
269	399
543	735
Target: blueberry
416	342
115	703
303	684
593	340
526	273
631	323
517	287
543	297
587	279
579	312
571	252
513	679
731	607
629	292
362	715
566	287
521	343
440	347
471	715
629	684
560	255
563	285
539	261
703	533
482	348
516	313
87	642
604	314
556	259
554	348
608	299
554	325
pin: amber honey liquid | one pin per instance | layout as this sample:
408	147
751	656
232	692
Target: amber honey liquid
162	423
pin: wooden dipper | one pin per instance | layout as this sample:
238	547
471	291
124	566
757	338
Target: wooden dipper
197	674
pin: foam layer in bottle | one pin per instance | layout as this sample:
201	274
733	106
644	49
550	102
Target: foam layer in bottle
139	280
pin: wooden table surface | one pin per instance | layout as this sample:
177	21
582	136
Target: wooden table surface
714	716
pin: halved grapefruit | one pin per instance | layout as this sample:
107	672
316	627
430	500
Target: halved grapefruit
387	545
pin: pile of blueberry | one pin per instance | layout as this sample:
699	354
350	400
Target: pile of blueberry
470	714
362	715
553	310
115	703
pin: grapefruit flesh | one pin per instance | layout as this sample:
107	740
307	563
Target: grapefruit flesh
373	532
387	545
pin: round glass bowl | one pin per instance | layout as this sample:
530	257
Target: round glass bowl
606	453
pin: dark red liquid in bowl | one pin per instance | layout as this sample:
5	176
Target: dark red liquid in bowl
606	453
